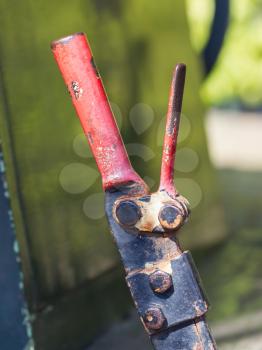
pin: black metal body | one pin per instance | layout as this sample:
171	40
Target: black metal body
173	316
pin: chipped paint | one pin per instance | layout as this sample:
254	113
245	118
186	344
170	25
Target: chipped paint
163	265
74	58
149	222
201	330
77	90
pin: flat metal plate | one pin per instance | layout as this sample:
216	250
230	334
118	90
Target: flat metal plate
183	302
188	336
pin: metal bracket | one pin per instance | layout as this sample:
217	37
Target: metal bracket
178	295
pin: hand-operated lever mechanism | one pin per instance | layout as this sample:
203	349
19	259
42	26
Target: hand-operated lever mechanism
163	280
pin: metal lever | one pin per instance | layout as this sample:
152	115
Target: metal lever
162	278
76	63
172	127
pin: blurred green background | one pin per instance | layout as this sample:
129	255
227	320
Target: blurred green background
74	284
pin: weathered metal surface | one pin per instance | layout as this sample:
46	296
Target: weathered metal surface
172	305
172	316
170	217
154	319
160	281
76	63
192	335
183	302
172	126
152	215
137	249
127	213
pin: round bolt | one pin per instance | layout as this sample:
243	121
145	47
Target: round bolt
128	213
160	281
170	217
154	318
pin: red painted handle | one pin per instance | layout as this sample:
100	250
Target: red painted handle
75	61
172	126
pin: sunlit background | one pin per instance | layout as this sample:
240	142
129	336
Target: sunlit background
72	294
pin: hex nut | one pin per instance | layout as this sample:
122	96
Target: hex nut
154	318
160	281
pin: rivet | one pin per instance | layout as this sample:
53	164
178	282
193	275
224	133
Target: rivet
170	217
128	213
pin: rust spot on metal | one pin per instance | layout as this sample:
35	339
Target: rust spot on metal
198	347
154	318
170	217
160	281
151	206
198	330
163	264
77	90
200	308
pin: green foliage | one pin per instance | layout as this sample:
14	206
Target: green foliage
238	72
200	13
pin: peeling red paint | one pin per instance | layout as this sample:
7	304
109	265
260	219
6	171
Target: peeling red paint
172	126
75	61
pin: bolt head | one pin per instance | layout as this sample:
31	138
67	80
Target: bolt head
128	213
170	217
154	318
160	281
